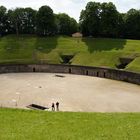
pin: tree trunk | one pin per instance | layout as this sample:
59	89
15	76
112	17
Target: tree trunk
17	31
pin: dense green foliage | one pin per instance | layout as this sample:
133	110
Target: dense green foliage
45	21
90	20
3	20
38	125
86	51
29	21
103	20
132	24
65	24
98	20
21	21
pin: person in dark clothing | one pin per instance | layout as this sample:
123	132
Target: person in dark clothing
53	107
57	106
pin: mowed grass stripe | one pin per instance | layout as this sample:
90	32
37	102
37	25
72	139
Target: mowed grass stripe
87	51
38	125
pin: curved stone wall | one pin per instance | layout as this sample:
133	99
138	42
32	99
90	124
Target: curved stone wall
126	76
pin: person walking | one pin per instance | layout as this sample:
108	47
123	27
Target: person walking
53	107
57	106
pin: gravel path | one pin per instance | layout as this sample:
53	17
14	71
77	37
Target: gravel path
74	92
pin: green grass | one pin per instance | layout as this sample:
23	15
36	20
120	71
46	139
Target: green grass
39	125
135	65
88	51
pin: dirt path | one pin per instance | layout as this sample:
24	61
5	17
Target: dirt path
74	92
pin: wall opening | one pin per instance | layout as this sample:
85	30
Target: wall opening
104	74
97	74
37	107
33	69
123	62
69	70
66	59
87	72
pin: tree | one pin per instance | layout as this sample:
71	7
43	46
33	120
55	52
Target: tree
22	20
121	25
3	20
109	20
90	19
29	21
65	24
83	23
132	24
45	21
98	19
16	18
73	26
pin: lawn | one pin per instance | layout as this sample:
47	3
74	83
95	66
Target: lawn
87	51
39	125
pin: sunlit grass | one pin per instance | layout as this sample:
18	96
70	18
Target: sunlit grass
87	51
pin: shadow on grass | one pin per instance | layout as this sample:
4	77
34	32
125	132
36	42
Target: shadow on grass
11	45
46	44
101	44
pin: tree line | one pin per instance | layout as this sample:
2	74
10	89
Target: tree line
98	20
29	21
103	20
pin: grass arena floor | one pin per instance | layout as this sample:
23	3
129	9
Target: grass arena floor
74	92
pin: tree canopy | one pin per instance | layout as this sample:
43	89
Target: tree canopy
103	20
45	21
3	20
98	20
29	21
65	24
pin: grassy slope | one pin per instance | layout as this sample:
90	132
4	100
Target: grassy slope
88	51
35	125
134	66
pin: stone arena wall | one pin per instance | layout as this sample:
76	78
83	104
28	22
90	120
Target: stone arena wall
114	74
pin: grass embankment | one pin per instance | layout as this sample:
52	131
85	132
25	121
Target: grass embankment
37	125
87	51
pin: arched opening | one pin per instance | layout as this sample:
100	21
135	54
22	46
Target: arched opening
69	70
97	74
104	75
87	72
33	69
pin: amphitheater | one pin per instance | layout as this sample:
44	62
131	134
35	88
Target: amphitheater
77	88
